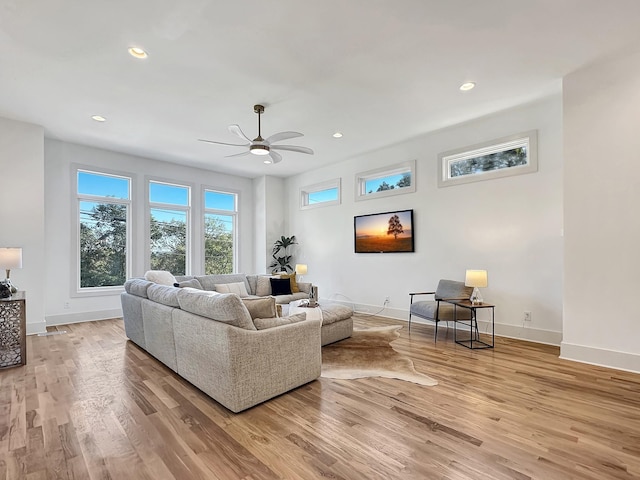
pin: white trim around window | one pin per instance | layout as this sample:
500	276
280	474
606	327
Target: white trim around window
76	290
313	196
482	162
364	180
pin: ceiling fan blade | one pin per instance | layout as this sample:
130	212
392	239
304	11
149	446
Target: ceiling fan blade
236	130
223	143
275	156
276	137
238	154
292	148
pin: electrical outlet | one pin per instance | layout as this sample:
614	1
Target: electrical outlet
66	305
386	300
527	316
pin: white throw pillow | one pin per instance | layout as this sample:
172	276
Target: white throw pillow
161	277
263	285
239	288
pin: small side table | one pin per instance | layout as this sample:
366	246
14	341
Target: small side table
13	330
473	341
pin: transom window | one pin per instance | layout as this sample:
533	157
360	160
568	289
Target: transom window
169	208
513	155
321	194
103	215
220	216
392	180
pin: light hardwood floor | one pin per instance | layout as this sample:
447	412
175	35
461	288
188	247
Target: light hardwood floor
90	404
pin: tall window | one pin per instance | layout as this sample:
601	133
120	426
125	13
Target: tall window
220	212
168	226
104	203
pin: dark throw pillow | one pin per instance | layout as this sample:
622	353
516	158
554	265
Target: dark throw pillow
280	286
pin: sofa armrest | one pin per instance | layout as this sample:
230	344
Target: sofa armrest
241	368
304	287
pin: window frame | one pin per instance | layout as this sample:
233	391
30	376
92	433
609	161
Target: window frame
320	187
149	205
447	159
213	211
76	290
383	172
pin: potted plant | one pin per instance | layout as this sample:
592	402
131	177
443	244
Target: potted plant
282	262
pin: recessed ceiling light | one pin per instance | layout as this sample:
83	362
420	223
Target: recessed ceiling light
98	118
337	135
467	86
137	52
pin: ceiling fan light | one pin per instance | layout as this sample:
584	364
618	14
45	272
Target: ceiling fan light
259	149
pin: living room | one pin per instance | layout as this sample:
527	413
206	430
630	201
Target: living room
555	242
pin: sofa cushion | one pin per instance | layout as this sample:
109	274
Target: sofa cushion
263	323
192	283
137	286
208	282
223	307
292	280
261	307
239	288
263	285
280	286
164	294
161	277
333	313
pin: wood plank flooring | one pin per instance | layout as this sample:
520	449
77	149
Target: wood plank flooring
91	405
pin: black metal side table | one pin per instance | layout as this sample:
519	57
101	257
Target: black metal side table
474	340
13	330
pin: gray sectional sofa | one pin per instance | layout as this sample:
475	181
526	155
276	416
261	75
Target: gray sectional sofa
211	339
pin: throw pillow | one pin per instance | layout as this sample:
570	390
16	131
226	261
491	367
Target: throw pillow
280	286
292	279
239	288
264	307
161	277
262	323
263	286
193	283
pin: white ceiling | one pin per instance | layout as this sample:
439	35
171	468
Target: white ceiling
380	71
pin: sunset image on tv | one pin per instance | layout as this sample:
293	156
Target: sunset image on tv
384	232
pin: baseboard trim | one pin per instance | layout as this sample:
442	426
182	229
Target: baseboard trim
36	327
629	362
549	337
66	318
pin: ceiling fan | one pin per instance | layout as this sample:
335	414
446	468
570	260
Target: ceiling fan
261	146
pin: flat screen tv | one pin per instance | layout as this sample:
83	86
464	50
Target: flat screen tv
388	232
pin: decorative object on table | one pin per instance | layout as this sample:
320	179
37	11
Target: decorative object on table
301	269
10	258
313	296
368	353
476	279
282	262
5	290
261	146
389	232
13	342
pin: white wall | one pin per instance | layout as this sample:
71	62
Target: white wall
22	211
602	231
510	226
269	219
60	157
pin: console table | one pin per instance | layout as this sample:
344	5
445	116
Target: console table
474	340
13	330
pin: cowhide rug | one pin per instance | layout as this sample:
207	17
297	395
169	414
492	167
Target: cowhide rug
368	353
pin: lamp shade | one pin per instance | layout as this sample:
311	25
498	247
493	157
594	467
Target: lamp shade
476	278
10	258
301	269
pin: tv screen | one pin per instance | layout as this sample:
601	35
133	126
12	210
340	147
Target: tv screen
388	232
